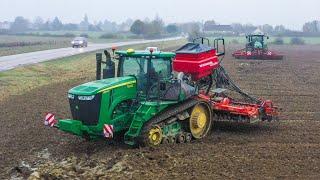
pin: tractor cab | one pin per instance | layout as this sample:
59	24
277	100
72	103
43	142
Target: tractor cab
256	41
151	69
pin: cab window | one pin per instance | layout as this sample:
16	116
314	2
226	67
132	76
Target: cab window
162	67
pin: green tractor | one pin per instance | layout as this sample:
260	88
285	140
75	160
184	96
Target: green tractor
144	101
257	48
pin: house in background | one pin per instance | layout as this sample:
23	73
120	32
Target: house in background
211	26
5	25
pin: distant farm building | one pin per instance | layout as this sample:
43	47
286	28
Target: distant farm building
5	25
218	28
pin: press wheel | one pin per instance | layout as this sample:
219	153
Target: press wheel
200	120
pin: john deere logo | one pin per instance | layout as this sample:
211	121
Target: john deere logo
77	107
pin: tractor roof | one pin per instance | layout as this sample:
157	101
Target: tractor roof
256	35
157	54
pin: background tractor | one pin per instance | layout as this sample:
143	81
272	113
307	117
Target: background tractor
257	48
156	97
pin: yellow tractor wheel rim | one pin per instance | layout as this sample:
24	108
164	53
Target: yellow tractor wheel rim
155	136
199	121
202	120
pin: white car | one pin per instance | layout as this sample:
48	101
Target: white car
79	42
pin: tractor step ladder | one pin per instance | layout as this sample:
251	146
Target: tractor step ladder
137	123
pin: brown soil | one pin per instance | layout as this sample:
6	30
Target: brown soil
288	149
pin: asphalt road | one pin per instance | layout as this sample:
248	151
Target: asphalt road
13	61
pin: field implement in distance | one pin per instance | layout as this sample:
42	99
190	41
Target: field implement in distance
257	48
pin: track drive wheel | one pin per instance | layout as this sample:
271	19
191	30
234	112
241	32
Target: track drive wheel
200	120
154	136
151	136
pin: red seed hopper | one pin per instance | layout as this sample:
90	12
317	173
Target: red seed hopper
197	60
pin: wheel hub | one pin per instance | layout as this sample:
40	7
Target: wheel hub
155	136
199	121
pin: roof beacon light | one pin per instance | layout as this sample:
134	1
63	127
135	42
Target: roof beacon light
113	48
130	51
151	50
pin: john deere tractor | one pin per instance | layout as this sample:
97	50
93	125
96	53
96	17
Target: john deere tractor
143	100
257	48
140	96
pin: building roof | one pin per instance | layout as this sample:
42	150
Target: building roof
5	25
215	27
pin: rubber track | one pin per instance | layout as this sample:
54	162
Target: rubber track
171	111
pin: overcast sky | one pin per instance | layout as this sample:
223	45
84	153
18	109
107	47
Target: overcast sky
291	13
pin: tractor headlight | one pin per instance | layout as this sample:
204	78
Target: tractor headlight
85	98
72	42
70	96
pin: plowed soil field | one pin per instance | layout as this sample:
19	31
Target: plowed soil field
289	148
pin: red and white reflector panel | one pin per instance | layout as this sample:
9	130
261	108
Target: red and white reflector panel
50	120
108	131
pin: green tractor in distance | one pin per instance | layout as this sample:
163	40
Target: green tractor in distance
257	48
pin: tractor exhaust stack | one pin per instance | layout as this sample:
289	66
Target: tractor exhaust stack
98	67
109	70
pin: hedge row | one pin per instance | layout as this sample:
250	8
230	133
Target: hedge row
22	44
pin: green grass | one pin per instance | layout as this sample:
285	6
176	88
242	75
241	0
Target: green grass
22	79
19	38
46	43
93	36
51	42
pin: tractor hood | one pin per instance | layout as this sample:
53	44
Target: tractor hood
95	87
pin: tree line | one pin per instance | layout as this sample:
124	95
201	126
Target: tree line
156	27
152	29
21	24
